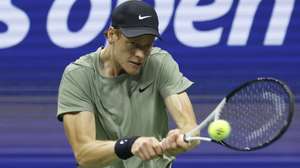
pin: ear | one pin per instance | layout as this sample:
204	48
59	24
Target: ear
112	35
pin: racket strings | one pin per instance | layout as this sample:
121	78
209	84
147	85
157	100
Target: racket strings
257	114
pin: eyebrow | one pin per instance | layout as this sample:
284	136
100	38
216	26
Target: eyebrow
138	43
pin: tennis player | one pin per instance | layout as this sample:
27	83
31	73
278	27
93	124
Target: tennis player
114	102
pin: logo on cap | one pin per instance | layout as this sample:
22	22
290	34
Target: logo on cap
143	17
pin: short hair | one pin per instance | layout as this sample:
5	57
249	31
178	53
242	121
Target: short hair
117	30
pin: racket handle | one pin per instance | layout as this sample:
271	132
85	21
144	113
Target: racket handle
188	139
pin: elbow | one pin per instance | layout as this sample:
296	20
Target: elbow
87	162
82	160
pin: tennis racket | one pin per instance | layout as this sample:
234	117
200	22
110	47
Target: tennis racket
259	112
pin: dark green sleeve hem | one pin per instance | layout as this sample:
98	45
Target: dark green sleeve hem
181	87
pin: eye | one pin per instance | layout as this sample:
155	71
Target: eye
148	46
131	44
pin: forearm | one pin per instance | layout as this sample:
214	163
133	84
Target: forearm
80	130
182	111
185	123
96	154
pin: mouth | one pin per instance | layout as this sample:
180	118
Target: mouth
138	64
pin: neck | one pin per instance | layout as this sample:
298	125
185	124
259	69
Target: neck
109	66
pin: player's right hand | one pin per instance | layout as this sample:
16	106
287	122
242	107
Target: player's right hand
147	148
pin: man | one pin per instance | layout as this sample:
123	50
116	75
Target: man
113	101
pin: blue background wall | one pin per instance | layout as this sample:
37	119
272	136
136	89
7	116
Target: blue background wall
31	67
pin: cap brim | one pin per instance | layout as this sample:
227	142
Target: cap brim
139	31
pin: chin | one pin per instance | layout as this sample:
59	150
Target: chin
133	72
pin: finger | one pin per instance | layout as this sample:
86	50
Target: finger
137	151
142	155
181	142
151	152
172	140
150	148
185	145
143	148
167	144
163	144
174	131
174	145
157	147
147	150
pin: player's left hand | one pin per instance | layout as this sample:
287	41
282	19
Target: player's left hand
174	143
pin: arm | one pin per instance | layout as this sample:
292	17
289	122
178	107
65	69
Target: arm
180	108
81	133
89	152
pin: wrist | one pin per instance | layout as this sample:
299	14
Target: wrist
123	147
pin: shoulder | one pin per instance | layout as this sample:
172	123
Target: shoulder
80	71
159	55
157	59
84	64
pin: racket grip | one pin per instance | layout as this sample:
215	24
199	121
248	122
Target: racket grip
188	139
185	138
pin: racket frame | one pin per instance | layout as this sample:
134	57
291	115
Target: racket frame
214	115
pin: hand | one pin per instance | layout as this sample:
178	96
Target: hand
174	143
147	148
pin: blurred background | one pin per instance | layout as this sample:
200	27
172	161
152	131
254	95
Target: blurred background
218	43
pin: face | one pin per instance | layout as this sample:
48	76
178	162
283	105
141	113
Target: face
131	53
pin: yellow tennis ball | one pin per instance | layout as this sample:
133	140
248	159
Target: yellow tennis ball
219	130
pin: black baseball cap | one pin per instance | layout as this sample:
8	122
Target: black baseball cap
135	18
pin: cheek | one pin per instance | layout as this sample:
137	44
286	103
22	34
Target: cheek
120	52
122	49
122	56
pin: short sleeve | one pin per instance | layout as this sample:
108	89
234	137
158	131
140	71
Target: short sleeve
74	94
171	80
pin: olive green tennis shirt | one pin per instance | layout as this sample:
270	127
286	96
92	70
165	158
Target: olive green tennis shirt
126	105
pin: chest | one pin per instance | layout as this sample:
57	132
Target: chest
128	108
126	100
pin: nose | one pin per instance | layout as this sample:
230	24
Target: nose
139	53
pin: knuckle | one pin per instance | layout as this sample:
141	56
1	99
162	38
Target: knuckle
152	138
152	154
140	148
147	157
157	146
149	141
174	145
144	143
